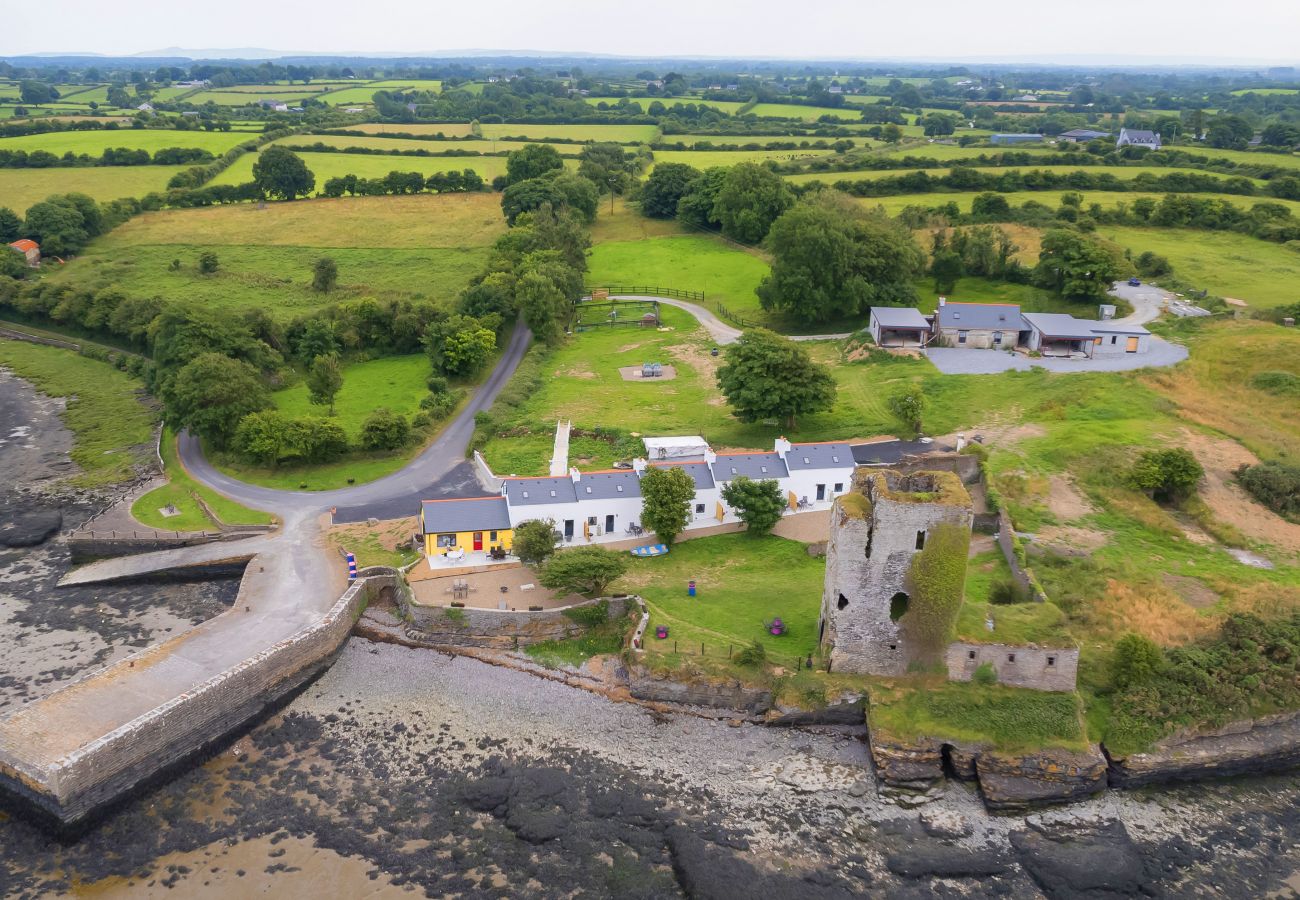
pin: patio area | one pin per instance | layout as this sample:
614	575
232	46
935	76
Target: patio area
499	587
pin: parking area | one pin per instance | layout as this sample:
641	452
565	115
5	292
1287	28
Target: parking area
954	361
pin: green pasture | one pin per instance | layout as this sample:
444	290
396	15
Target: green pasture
1262	273
405	144
703	159
692	262
395	382
331	165
726	106
693	140
95	143
803	113
449	129
350	96
20	188
233	97
107	412
1265	92
167	94
1123	173
180	492
408	84
742	583
612	134
893	205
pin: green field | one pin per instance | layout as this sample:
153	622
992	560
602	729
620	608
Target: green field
614	134
451	129
893	205
1264	92
111	424
741	582
179	492
389	143
741	140
726	106
804	113
20	188
1123	173
436	245
350	96
332	165
703	159
692	262
1262	273
95	142
238	97
407	84
395	382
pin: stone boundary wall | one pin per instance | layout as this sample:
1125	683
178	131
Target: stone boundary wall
467	626
1029	669
487	478
12	335
1006	535
963	465
84	546
110	767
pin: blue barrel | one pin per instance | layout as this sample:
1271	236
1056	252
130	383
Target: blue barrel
352	567
690	589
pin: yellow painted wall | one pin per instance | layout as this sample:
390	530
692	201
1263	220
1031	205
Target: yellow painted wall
465	541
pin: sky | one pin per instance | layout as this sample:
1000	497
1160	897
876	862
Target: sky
1250	31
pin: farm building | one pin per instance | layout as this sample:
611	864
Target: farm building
982	326
478	524
894	326
1134	137
1014	138
30	250
1056	334
1082	135
1115	338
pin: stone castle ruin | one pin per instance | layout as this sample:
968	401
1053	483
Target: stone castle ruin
876	530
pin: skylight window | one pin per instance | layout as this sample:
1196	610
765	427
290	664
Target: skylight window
835	459
763	469
733	470
525	495
552	493
588	489
620	488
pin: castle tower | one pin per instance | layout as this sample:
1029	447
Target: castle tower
876	529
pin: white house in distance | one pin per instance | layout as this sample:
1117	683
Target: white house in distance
605	505
1134	137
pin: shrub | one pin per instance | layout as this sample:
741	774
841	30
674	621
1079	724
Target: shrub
1137	660
1282	383
591	616
1008	591
440	405
1167	474
908	406
1274	484
384	429
586	570
754	654
1152	265
208	262
985	674
535	541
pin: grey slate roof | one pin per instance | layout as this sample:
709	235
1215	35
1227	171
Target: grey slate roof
475	514
1117	328
1084	134
699	472
902	317
755	465
1060	325
819	456
607	485
1138	136
532	491
981	316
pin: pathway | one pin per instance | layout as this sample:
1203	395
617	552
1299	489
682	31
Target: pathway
720	331
560	454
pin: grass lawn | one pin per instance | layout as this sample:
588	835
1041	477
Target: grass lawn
180	491
1008	718
1262	273
694	262
704	159
742	140
95	142
106	411
806	113
334	165
742	582
20	188
396	382
379	142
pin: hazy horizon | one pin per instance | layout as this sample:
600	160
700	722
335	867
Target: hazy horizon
1260	32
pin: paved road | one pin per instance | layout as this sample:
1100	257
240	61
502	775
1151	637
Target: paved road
720	331
1148	301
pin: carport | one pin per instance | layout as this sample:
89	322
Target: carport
1057	334
899	327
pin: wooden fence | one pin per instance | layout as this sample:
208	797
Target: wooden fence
735	318
616	289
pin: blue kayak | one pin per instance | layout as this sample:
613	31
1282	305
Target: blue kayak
650	550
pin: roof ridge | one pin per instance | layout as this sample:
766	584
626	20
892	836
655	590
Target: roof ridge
462	499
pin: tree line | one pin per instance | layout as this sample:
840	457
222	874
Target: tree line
112	156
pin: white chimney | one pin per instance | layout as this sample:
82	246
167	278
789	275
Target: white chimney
709	456
943	300
782	446
961	441
575	474
638	465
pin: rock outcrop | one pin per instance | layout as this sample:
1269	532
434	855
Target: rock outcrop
910	765
1248	747
713	693
1011	781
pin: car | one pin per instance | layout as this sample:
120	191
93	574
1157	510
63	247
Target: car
1134	282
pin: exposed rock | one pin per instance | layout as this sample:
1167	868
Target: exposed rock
934	860
1254	746
915	764
847	709
961	761
945	823
808	774
1074	859
1012	782
725	693
28	528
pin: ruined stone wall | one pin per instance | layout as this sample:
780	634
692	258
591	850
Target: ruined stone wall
501	629
868	559
111	766
1039	668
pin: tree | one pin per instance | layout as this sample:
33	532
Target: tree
324	380
1167	475
666	498
312	439
60	225
1230	132
544	306
697	205
459	345
1077	266
532	161
208	262
1280	134
262	436
608	166
37	93
1137	660
534	541
891	134
759	504
12	264
282	173
751	199
945	269
831	259
324	275
559	191
990	207
11	227
909	406
766	376
583	570
938	124
211	394
664	189
384	429
935	584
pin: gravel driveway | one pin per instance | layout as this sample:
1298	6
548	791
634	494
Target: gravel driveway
954	361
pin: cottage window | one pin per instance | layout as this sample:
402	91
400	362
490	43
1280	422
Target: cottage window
961	336
970	654
591	520
492	535
839	487
1051	660
1011	657
920	540
997	337
699	508
1114	338
842	603
446	540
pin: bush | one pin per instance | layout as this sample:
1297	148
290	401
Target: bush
985	674
1167	474
208	262
534	541
384	429
908	406
440	405
754	654
1281	383
1137	660
1152	265
591	616
1007	591
1274	484
584	570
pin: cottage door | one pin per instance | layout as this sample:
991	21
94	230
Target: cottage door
1132	345
609	523
478	540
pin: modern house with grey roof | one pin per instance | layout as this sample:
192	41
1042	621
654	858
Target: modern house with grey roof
897	326
978	326
1058	334
1135	137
